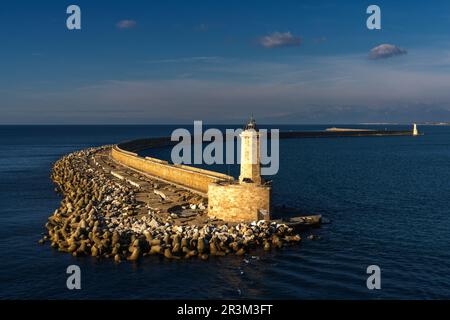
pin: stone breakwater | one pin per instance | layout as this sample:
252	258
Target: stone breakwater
103	216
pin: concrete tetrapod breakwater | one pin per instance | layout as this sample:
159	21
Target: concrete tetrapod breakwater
112	211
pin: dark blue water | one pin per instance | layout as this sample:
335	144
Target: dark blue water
387	197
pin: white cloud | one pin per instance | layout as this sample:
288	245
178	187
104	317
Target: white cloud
126	24
384	51
278	39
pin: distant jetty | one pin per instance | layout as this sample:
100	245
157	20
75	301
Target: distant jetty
334	129
344	133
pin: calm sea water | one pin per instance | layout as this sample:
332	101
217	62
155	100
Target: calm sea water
387	199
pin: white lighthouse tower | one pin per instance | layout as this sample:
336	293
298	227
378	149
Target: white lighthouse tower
250	199
415	131
250	154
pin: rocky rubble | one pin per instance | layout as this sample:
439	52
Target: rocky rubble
99	216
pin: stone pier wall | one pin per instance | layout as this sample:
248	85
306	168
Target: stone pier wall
186	176
239	202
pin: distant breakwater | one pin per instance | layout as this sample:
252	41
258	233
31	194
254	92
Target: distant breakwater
142	144
342	134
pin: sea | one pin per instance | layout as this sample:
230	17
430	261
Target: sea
387	200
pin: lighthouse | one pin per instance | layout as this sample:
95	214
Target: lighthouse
249	199
415	131
250	154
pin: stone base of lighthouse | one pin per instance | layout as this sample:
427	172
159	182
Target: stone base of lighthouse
243	202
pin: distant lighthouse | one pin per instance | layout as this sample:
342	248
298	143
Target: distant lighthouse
415	131
250	154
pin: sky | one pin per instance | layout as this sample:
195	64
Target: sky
169	62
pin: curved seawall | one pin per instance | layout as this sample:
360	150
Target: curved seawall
189	177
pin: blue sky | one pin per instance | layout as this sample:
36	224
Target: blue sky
219	61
